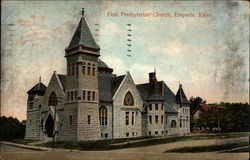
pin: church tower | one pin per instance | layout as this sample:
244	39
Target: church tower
81	113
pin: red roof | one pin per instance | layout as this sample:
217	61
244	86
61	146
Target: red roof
205	107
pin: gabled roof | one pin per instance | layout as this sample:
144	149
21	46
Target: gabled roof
102	64
156	93
168	94
203	107
39	89
143	89
181	97
83	36
63	79
104	86
170	109
115	83
160	91
103	67
108	85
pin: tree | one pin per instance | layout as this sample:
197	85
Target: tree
233	117
208	119
11	128
194	102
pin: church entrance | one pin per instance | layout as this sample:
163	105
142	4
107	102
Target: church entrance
49	126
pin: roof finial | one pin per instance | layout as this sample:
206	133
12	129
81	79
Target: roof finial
180	84
40	79
154	70
83	12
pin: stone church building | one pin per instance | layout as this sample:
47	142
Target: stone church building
92	103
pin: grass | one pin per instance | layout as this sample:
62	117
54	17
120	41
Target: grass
245	149
22	141
111	144
131	142
34	149
210	148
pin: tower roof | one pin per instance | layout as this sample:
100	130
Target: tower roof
103	67
39	89
83	37
102	64
181	97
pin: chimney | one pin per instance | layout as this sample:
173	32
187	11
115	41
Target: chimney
204	102
152	78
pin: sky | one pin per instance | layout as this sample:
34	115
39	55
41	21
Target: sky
209	55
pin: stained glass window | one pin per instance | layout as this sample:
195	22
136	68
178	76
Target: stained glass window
128	100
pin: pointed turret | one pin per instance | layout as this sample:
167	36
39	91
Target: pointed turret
81	86
181	97
83	37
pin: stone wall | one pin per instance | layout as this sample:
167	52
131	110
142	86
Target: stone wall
172	131
107	130
33	124
156	128
121	130
184	119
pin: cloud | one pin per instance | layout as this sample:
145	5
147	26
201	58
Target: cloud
116	63
33	19
65	31
140	72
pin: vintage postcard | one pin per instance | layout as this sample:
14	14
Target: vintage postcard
124	80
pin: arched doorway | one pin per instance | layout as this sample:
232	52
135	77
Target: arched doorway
49	126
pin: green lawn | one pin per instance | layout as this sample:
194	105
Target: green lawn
131	142
22	141
34	149
243	149
211	148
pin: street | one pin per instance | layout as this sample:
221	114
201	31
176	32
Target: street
8	152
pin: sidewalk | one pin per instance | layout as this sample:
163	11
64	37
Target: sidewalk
38	148
158	148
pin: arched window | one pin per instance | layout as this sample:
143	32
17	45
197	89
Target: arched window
73	69
69	70
52	99
84	68
173	124
89	69
103	115
76	69
128	100
93	70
